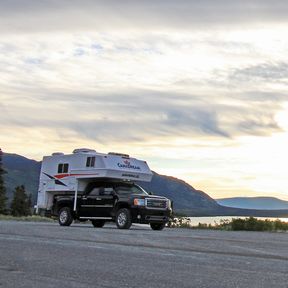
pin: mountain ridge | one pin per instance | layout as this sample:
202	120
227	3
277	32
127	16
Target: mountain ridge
186	199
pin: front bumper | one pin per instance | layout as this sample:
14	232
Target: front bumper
144	215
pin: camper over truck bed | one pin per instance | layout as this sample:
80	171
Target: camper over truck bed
87	185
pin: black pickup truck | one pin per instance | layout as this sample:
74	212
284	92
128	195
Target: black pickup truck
121	202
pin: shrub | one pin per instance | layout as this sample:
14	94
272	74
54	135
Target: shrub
236	224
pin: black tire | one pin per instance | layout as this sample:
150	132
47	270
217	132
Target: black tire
98	223
65	216
157	226
123	218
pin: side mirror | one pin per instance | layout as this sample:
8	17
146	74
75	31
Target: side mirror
150	193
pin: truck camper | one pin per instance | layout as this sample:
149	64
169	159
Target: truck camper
91	186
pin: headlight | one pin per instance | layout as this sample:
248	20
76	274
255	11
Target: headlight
139	202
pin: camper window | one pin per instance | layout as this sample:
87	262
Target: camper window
63	168
90	161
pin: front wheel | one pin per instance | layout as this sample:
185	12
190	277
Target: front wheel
65	217
157	226
123	219
98	223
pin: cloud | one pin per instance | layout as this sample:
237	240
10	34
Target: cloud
140	116
259	97
262	72
88	15
144	82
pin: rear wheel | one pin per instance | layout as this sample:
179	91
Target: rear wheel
65	217
98	223
157	226
123	218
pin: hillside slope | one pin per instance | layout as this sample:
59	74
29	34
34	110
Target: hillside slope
184	196
21	171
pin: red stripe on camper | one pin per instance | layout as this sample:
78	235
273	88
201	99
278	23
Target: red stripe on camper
60	176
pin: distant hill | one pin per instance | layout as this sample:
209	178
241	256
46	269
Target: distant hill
184	196
21	171
186	199
264	203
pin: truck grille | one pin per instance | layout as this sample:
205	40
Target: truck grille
156	203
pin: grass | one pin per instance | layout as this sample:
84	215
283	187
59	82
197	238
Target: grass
236	224
32	218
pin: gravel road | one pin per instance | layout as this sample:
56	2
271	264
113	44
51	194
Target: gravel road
47	255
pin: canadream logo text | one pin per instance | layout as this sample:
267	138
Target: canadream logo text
126	164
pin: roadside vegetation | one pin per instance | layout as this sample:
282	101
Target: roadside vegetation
236	224
3	198
31	218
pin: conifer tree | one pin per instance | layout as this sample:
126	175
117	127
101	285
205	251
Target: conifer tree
19	205
3	198
29	203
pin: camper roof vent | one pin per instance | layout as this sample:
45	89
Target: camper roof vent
57	154
119	154
83	150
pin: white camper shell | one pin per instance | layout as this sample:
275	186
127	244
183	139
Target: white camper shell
66	174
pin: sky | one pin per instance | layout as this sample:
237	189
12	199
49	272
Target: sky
196	88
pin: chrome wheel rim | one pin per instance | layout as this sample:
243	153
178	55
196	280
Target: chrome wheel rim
63	216
122	219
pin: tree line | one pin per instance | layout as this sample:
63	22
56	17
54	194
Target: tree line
21	204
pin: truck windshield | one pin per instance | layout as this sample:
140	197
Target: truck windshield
125	189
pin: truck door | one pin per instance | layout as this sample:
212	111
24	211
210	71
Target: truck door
97	203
